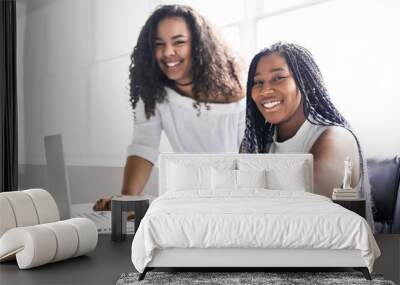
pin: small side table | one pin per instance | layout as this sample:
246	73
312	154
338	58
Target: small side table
120	205
355	205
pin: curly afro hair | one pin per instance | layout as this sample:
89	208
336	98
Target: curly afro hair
215	70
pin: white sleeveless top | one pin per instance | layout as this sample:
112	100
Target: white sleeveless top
301	142
219	129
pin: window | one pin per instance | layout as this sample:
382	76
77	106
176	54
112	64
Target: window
355	44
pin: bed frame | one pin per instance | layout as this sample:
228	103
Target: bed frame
250	258
246	259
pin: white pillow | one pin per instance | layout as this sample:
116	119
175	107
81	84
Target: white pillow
251	178
188	177
292	179
224	179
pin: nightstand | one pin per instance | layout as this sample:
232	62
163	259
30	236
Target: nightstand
356	205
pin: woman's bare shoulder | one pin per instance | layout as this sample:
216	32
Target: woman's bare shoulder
331	149
335	141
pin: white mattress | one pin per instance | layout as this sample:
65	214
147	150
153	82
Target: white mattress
252	218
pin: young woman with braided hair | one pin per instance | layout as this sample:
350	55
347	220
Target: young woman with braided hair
289	111
184	81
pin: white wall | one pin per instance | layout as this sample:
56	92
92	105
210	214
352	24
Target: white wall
74	77
73	58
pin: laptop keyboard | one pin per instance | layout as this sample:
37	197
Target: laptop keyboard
103	222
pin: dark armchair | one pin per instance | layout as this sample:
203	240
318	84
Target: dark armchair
384	177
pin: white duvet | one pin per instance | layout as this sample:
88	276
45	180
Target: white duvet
253	218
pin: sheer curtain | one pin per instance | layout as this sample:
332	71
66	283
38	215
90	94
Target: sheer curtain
8	97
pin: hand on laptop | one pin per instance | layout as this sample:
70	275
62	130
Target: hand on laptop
104	204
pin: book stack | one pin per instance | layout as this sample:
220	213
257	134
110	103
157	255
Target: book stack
345	194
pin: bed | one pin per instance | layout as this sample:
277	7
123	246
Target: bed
247	210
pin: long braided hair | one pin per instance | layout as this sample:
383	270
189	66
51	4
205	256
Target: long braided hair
214	67
318	107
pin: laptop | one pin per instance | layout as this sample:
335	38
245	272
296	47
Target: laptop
59	188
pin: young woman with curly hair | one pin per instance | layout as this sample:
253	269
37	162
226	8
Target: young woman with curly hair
183	81
289	111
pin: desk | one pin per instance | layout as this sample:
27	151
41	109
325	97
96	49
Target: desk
104	265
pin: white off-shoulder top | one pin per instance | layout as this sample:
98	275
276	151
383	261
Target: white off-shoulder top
217	130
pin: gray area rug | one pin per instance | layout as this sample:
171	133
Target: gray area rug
225	278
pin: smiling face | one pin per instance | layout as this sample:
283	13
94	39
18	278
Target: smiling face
275	92
173	49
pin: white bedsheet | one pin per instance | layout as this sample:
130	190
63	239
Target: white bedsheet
252	218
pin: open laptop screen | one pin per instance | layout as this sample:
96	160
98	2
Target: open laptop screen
57	174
